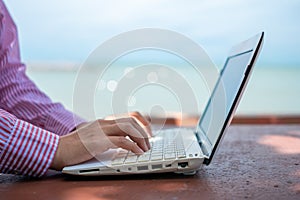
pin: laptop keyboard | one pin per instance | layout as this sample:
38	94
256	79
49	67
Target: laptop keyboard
165	147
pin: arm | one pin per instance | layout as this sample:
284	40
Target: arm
25	148
29	150
19	95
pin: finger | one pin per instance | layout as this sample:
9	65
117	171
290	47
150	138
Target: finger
140	129
145	122
140	117
112	117
124	143
127	129
143	132
136	137
116	116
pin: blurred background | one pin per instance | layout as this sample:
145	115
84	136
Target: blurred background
57	36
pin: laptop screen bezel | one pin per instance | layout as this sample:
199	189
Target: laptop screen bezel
253	44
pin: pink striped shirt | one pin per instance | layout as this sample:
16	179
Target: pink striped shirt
29	121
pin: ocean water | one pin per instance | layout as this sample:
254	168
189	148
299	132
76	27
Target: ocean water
269	91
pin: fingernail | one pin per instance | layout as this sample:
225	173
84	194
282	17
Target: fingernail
148	148
140	151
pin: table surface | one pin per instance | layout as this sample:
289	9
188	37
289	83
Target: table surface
253	162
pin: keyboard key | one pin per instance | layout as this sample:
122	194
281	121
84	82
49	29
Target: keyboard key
131	159
168	146
156	157
170	155
118	161
144	158
181	154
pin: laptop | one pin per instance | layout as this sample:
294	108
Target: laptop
186	150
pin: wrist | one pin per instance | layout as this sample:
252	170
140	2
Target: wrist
70	151
57	162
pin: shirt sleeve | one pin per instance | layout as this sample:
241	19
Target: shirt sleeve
18	94
24	148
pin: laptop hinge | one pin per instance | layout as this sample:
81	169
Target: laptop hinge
205	145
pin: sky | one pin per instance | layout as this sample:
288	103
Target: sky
69	30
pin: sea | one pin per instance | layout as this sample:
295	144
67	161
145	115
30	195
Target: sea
270	91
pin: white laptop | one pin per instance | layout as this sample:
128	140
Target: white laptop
183	150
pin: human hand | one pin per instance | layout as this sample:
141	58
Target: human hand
143	121
96	137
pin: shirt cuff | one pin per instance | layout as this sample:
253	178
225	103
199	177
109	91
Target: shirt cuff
61	121
29	150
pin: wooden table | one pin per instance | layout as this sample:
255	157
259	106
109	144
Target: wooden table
253	162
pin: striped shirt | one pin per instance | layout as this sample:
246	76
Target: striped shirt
30	123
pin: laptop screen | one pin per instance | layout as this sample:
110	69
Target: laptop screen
223	96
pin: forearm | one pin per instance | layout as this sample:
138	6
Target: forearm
20	96
70	151
25	149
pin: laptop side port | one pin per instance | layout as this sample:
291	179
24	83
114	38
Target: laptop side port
183	164
145	167
88	171
168	165
157	166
